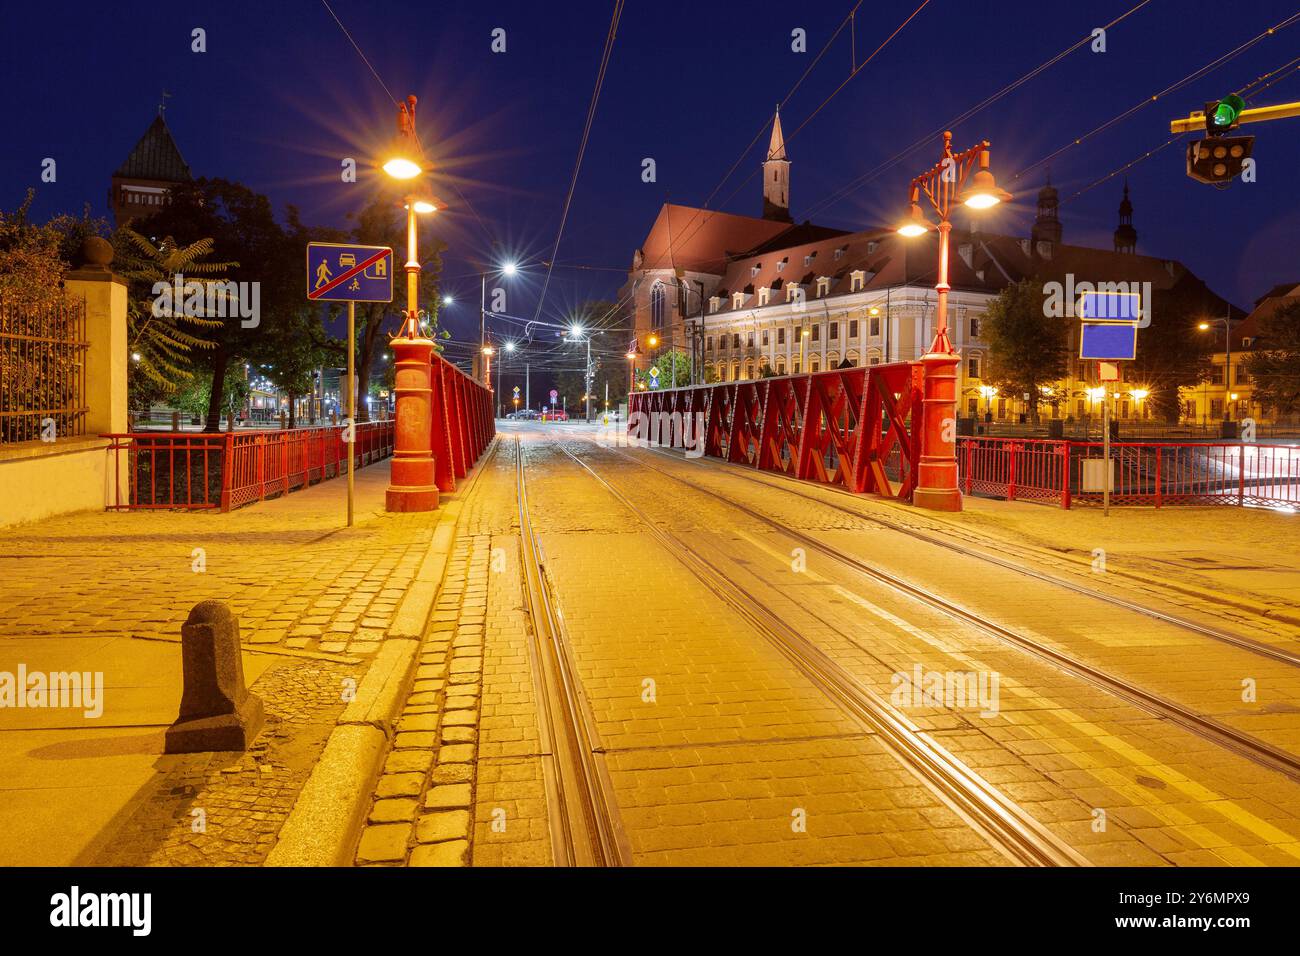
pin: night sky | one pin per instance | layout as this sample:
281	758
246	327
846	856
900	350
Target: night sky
280	97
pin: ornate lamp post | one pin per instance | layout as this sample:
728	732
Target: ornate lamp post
936	486
411	487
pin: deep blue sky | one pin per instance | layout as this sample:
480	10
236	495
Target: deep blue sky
280	97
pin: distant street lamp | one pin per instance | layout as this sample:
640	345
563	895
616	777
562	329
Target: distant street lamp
412	486
936	485
506	269
1204	326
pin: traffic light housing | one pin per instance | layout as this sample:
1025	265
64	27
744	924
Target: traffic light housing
1218	159
1223	115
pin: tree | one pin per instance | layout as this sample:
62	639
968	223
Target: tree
674	369
34	257
1171	354
1027	348
161	331
1274	364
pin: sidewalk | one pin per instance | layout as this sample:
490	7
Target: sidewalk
100	592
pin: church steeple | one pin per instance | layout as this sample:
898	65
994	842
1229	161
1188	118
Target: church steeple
776	175
1047	225
1126	237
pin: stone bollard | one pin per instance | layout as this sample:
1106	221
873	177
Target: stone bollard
217	711
176	421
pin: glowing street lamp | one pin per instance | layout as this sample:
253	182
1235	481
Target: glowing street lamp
1204	326
412	486
945	182
488	352
507	268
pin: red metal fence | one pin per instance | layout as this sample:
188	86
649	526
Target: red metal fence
462	423
197	471
1145	473
851	427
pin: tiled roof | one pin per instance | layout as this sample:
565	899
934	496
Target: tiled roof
701	240
156	157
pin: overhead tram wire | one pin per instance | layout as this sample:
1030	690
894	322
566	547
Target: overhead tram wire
1255	87
857	183
582	146
708	212
1190	78
356	47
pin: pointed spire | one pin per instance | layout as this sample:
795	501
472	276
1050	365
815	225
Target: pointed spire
776	148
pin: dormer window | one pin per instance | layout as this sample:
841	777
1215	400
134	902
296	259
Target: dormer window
755	269
763	295
791	291
715	302
857	279
871	247
738	300
780	266
808	259
823	286
839	253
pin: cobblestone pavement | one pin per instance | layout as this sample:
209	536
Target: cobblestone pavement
289	568
314	599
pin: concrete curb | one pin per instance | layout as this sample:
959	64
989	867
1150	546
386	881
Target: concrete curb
328	815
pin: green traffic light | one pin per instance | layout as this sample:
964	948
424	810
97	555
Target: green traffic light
1228	110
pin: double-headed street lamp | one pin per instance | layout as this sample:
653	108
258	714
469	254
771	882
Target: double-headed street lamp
506	269
411	486
576	333
936	486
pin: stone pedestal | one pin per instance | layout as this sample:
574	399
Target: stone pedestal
217	711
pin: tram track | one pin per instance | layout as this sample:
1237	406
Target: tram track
583	818
1205	727
999	820
1259	648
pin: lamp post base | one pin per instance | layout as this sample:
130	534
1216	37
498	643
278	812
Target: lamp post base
412	486
936	473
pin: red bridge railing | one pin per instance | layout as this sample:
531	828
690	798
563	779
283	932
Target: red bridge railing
1145	473
197	471
462	423
851	427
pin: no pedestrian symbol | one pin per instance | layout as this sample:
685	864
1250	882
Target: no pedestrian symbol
338	272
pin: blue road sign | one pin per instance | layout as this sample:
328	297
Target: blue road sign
341	272
1110	306
1108	341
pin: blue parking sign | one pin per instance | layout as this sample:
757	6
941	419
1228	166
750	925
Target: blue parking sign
342	272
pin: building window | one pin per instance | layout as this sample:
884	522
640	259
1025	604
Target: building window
857	279
755	269
780	266
823	286
972	367
735	372
780	366
735	340
749	370
815	365
853	328
738	300
1216	375
715	303
816	333
875	326
658	305
974	328
796	366
839	253
835	331
871	247
765	336
763	295
749	340
780	336
708	344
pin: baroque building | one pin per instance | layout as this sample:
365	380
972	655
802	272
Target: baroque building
747	296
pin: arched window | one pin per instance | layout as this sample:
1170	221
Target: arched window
657	305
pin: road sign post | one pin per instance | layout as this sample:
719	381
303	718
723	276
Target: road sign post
344	272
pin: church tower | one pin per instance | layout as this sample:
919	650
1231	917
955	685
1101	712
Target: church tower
1047	225
1126	237
143	182
776	176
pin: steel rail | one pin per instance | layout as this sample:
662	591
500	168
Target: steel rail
1243	744
1001	821
585	826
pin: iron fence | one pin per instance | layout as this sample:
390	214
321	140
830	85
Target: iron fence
42	372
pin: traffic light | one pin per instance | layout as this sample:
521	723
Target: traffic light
1218	159
1224	114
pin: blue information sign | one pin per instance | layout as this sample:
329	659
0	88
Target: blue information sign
1110	306
341	272
1108	341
